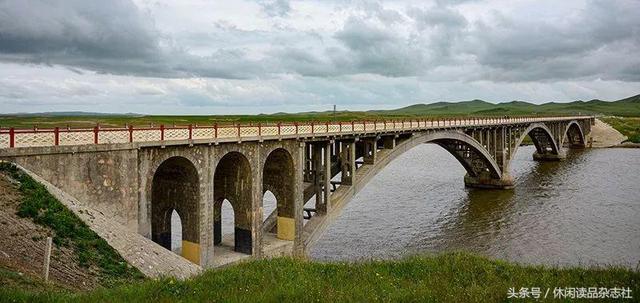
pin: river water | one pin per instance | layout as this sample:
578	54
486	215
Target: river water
582	211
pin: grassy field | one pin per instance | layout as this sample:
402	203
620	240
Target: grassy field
628	126
628	107
452	277
91	250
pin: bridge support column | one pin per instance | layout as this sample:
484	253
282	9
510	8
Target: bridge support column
505	182
348	162
389	142
549	156
369	150
322	174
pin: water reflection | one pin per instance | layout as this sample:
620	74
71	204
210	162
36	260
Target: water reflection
584	210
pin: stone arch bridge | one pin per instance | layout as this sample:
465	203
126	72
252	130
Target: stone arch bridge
137	177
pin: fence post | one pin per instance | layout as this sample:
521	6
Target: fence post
215	130
12	137
47	259
296	124
190	132
312	127
56	135
279	131
95	134
130	133
238	131
259	129
161	132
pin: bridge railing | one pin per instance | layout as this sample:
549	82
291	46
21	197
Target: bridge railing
33	137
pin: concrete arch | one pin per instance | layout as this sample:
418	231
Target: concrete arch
278	177
176	186
474	157
232	180
542	138
574	134
449	139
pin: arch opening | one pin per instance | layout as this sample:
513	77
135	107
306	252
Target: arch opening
278	181
175	190
176	233
574	137
232	182
543	140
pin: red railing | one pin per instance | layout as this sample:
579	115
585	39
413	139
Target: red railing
14	137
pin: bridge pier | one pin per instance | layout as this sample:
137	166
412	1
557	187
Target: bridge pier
370	150
549	156
321	174
389	142
486	182
347	161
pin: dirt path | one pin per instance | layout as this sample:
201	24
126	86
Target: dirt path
605	136
22	245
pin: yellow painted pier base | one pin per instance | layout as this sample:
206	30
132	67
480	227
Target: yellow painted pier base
191	251
286	228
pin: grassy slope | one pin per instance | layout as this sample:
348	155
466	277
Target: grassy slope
625	107
452	277
629	127
39	205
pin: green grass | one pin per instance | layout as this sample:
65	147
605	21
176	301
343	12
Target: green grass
629	127
69	231
628	107
451	277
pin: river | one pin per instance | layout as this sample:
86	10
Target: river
581	211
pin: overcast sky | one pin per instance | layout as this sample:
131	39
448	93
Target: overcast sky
221	57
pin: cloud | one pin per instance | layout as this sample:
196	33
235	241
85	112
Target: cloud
190	55
275	8
588	44
76	32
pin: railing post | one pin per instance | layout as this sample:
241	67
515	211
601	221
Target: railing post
56	135
385	124
327	125
190	132
238	131
279	131
95	134
130	133
12	137
215	130
340	124
312	128
161	132
259	129
352	127
296	124
364	126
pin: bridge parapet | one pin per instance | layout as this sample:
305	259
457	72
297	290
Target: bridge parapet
160	135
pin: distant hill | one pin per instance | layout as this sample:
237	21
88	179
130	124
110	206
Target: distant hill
624	107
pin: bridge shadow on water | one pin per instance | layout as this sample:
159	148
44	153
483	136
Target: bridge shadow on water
482	221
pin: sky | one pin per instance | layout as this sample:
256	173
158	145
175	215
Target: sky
266	56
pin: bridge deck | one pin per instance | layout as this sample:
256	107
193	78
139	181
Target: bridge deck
178	135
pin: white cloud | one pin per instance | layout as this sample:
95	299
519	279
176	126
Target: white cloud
200	56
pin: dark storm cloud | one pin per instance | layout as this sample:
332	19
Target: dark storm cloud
589	44
600	41
65	28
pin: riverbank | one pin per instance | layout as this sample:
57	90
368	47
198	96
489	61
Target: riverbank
627	126
451	277
80	259
604	135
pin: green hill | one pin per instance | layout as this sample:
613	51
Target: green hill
624	107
